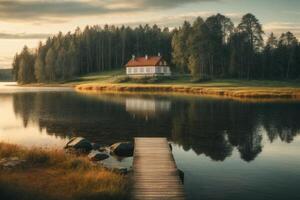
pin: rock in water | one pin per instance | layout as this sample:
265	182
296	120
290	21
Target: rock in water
120	170
12	162
97	156
122	149
170	145
79	143
181	175
96	146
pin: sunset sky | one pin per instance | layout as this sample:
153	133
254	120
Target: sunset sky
28	21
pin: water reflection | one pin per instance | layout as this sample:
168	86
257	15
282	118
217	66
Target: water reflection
147	107
207	126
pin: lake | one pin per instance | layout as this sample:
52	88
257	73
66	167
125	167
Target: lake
227	149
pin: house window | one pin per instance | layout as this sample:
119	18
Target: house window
158	69
135	70
141	70
148	70
128	70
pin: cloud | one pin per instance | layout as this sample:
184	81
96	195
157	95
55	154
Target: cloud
5	62
281	27
24	35
166	3
21	10
290	12
176	21
24	10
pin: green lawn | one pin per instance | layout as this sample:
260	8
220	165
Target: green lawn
110	77
97	77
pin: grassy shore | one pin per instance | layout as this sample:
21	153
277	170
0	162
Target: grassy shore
55	175
114	82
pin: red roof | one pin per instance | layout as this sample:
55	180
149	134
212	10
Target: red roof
142	61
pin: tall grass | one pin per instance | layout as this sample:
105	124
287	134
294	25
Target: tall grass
229	89
53	175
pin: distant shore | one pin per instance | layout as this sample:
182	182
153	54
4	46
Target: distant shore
116	82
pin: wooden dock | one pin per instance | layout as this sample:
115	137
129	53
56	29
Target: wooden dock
155	174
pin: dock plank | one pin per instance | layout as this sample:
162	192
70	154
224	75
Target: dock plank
155	174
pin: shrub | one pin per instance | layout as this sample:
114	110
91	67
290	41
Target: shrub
77	164
9	150
121	79
201	79
37	157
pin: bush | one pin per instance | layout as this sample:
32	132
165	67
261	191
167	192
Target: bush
201	79
9	150
77	164
153	79
121	79
37	157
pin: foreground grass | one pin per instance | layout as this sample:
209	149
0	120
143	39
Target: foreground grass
53	175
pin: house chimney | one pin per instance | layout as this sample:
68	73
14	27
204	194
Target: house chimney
146	57
159	54
133	57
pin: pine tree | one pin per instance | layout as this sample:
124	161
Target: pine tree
50	65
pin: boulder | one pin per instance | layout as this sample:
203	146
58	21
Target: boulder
170	145
120	170
97	155
122	149
96	146
79	143
116	169
181	175
104	149
12	162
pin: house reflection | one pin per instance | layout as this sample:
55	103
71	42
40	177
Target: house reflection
146	107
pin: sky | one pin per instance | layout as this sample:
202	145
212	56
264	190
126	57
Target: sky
25	22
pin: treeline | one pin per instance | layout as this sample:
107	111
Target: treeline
5	75
94	49
216	48
211	48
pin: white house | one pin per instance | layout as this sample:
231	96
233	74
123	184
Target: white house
147	66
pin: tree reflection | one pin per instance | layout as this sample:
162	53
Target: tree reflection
207	126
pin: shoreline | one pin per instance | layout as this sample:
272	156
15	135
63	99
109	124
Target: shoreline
224	92
238	90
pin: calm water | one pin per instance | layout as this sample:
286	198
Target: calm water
227	149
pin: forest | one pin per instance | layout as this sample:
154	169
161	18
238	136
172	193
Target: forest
204	49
